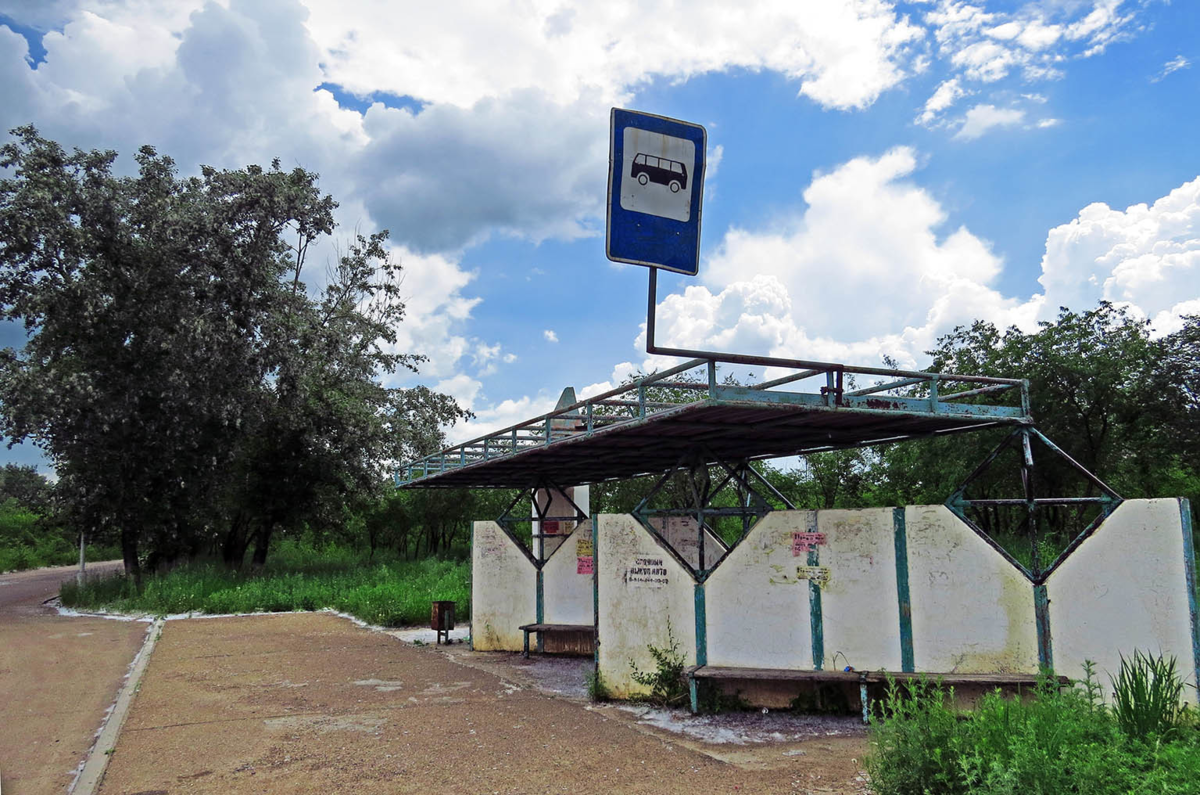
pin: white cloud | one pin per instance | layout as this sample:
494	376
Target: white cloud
1146	255
982	118
843	53
1171	66
447	177
1034	39
946	94
550	335
866	259
501	415
867	269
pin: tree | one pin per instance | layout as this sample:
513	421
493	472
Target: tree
176	370
27	486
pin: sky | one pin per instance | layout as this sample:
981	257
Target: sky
877	172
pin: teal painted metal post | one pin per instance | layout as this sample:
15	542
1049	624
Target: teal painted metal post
816	622
1189	564
907	659
1041	609
596	593
866	701
701	626
541	609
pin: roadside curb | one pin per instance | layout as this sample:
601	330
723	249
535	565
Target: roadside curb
94	767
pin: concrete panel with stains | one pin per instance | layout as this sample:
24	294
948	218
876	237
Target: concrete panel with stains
503	590
757	608
1125	588
972	610
641	588
859	605
682	533
567	591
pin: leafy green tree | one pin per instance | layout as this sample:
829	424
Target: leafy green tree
176	370
27	486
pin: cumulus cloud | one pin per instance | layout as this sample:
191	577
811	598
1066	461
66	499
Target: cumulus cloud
982	118
1147	255
448	177
550	335
843	53
868	268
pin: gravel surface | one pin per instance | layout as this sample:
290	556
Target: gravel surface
315	704
58	679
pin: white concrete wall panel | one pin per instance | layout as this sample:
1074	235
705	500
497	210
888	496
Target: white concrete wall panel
859	605
972	610
503	590
1124	589
681	532
566	585
757	609
641	586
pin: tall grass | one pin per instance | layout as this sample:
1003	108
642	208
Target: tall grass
1146	696
51	551
1055	741
386	593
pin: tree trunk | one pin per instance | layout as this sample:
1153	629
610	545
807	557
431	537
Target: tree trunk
233	550
262	542
82	560
129	553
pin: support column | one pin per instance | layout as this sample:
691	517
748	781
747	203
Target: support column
907	659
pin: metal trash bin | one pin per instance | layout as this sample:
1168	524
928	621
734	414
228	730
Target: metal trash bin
441	620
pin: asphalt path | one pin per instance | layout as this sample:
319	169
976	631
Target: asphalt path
58	677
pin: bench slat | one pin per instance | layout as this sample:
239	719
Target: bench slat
793	675
556	627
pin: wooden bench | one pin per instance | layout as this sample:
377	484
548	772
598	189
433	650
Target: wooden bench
862	678
544	629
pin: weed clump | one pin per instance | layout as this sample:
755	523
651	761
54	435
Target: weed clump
1058	740
666	681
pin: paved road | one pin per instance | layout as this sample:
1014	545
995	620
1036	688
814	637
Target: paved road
58	676
310	703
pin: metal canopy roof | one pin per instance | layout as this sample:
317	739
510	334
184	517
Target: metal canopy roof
645	427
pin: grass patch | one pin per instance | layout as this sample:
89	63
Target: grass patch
1053	742
51	551
384	593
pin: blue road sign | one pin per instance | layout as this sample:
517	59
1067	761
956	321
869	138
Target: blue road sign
655	188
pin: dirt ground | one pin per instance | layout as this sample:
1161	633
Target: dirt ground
311	703
58	678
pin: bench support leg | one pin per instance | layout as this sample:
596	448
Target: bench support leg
866	704
693	695
526	653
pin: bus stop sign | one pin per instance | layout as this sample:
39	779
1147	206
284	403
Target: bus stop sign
655	188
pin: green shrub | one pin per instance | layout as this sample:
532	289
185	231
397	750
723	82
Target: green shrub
1146	696
916	741
1051	741
666	682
